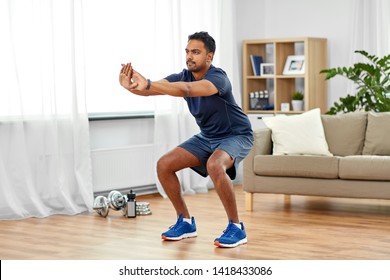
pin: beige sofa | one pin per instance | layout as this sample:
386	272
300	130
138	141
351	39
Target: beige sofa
359	166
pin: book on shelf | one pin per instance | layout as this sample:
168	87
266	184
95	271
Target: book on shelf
256	60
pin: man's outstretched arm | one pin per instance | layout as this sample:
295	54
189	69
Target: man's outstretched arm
137	84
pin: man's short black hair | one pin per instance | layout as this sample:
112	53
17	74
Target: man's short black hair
205	38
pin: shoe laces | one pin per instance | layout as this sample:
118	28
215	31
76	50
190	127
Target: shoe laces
178	223
230	231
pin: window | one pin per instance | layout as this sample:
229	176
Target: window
116	32
45	53
151	34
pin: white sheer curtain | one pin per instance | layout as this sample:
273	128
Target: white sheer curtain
175	20
371	28
370	31
45	166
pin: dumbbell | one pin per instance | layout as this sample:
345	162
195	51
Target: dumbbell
115	201
100	205
118	201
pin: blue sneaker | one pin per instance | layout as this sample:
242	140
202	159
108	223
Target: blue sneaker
232	236
180	230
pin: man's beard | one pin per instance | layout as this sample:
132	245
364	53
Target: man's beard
191	66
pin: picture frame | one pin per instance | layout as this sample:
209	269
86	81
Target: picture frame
285	107
295	64
267	69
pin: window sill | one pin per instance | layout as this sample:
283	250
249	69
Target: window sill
120	116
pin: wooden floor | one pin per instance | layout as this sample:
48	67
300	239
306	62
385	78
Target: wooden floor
308	228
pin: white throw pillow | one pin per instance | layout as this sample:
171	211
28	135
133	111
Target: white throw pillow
298	134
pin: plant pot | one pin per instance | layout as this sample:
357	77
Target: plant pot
297	105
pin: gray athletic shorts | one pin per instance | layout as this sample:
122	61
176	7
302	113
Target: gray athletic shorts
237	146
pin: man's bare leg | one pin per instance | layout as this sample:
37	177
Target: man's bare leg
167	166
217	165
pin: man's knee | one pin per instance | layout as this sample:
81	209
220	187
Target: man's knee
163	165
219	162
215	167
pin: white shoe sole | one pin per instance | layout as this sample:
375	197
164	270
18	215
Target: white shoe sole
183	236
241	242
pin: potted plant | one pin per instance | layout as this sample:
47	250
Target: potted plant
297	101
373	85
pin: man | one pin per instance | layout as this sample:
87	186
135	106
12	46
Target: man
226	135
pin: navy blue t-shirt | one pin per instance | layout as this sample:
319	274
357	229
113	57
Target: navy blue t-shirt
217	115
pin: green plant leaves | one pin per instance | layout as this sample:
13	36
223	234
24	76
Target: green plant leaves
372	83
297	95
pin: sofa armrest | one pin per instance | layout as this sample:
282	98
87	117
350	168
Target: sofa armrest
262	146
263	142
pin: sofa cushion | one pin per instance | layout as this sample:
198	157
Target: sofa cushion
299	134
365	168
345	133
378	134
296	166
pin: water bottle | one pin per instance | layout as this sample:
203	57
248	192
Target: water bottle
131	205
